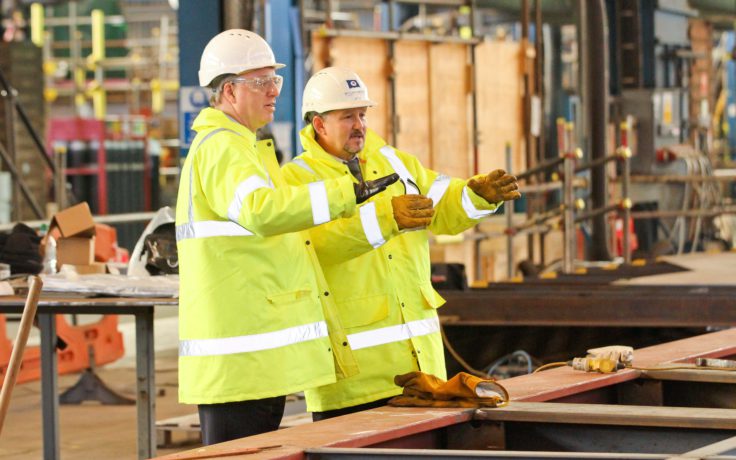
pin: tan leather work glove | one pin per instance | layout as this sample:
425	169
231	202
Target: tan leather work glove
462	390
496	186
412	211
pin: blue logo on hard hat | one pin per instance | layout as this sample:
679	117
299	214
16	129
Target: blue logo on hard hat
353	84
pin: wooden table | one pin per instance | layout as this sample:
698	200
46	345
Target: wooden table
142	309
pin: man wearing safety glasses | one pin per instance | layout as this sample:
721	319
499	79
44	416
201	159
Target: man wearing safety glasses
256	320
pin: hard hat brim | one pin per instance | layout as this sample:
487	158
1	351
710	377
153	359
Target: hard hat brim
203	74
341	106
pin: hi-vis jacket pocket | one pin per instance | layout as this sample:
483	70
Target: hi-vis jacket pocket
286	298
363	311
431	297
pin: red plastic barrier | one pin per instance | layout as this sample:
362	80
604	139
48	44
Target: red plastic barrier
103	337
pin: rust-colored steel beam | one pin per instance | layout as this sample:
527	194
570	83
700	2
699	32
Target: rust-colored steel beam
592	305
395	427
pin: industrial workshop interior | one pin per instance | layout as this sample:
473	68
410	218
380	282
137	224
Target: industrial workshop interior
367	229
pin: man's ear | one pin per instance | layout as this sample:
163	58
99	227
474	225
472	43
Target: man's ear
228	92
318	123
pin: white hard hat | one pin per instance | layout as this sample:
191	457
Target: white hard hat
234	51
334	88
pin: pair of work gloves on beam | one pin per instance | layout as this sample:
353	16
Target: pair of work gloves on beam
462	390
416	211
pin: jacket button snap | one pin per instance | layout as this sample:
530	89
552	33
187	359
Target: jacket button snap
344	344
268	144
402	304
307	243
390	256
326	293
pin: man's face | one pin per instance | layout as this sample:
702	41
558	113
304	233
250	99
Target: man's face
252	97
342	132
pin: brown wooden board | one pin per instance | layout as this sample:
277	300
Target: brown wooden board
450	109
499	105
412	99
367	57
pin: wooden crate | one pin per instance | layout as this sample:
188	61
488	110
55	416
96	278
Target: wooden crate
499	93
412	99
450	109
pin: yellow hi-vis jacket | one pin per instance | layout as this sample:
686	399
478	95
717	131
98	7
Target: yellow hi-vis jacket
380	278
254	309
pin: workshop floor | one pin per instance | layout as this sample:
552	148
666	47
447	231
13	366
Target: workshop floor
90	430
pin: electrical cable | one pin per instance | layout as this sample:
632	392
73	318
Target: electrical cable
550	366
689	368
639	368
493	367
470	369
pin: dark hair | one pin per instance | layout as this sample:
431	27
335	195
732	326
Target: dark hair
309	116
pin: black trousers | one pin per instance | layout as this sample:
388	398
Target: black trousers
317	416
234	420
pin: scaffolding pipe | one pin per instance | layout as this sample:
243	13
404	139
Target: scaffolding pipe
549	164
20	182
509	213
593	213
10	93
568	215
682	213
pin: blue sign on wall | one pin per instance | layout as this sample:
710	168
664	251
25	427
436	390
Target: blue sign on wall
192	99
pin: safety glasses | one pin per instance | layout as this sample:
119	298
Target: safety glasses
261	84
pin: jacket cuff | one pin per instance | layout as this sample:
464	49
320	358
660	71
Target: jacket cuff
385	215
480	203
344	197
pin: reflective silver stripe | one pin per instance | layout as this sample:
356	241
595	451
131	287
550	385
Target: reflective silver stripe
320	205
392	334
191	169
438	188
255	342
303	164
193	229
244	189
371	228
471	210
400	169
210	228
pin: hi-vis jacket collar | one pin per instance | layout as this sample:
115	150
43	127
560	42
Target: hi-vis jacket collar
211	118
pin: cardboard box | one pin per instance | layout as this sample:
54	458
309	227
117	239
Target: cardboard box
92	269
74	231
75	251
74	221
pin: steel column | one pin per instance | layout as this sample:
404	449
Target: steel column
146	400
49	377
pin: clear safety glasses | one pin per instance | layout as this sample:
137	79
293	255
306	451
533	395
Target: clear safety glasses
261	84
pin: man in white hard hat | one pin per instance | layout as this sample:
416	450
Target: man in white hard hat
378	272
254	308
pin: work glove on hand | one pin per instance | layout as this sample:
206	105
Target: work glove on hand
367	189
495	186
412	211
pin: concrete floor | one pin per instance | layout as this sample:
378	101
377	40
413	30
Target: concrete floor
93	430
90	430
